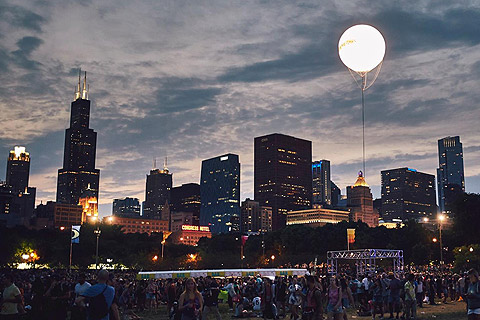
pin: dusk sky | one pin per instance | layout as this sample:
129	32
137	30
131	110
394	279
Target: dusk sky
193	80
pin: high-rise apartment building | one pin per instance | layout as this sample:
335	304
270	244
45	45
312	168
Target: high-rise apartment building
157	192
126	207
186	198
322	188
283	175
450	174
407	194
78	173
255	218
220	193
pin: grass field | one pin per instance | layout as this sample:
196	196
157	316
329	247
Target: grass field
450	311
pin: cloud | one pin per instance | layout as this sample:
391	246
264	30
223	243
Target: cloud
196	81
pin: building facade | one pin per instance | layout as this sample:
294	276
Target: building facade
322	186
78	172
178	219
138	225
255	218
190	235
360	202
220	193
450	173
66	215
186	198
407	194
157	193
126	207
317	216
282	175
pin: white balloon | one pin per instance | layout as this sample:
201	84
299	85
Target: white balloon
361	48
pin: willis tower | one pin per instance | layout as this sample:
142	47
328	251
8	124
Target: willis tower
78	173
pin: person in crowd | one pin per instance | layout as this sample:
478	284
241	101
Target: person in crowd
80	312
151	295
294	298
100	297
190	303
473	296
410	298
210	297
313	302
334	302
58	296
347	297
377	298
394	302
232	292
280	295
11	299
420	292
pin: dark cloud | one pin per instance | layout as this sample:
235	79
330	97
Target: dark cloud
20	17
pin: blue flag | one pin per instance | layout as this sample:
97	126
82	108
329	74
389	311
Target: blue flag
76	234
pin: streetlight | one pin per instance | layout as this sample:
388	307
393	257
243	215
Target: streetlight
441	218
97	233
362	49
425	219
471	249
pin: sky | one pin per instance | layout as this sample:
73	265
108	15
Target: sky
193	80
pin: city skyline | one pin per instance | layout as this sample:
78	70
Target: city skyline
171	88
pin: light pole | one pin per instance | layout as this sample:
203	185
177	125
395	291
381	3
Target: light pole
97	233
441	218
362	49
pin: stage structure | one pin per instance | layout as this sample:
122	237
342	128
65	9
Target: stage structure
365	260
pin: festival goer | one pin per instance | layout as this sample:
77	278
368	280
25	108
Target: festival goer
294	298
280	295
347	297
190	303
377	298
11	298
334	304
210	296
473	296
410	298
99	307
394	298
80	312
313	306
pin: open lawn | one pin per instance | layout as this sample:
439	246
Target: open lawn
450	311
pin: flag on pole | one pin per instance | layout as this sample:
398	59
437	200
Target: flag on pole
76	234
244	240
351	235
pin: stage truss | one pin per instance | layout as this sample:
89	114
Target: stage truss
366	260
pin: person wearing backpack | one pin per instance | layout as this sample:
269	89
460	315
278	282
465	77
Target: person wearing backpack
99	298
473	296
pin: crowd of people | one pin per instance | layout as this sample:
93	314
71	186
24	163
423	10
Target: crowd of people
46	294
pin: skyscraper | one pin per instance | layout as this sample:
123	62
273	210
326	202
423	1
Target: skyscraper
336	193
450	175
407	194
255	218
78	173
360	202
186	198
157	193
322	188
220	193
282	175
18	169
18	198
126	207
